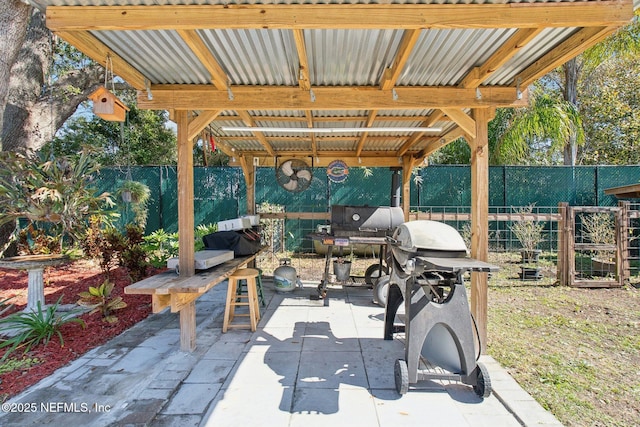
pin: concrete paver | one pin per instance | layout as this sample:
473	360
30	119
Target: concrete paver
307	365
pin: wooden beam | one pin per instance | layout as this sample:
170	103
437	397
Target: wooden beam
338	16
480	220
418	136
202	97
440	142
314	143
185	197
394	117
248	120
500	57
218	76
200	122
98	51
391	74
462	119
573	46
303	71
370	119
408	163
324	160
246	162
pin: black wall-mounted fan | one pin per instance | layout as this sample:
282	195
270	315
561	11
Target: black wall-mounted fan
294	175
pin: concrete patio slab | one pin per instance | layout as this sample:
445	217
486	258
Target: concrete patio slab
307	365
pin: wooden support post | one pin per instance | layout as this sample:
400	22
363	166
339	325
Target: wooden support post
570	245
563	262
622	239
188	327
407	166
480	219
246	162
185	197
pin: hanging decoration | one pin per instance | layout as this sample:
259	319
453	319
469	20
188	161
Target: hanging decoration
212	141
105	104
337	171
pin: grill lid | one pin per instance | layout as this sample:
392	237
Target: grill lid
415	236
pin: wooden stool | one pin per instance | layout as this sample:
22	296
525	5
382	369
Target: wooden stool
250	299
242	288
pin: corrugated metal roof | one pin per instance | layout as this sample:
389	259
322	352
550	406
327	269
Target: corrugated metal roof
336	58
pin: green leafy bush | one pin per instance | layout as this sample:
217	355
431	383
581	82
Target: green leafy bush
30	328
160	246
99	300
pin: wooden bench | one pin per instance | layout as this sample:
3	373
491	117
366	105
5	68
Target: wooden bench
180	293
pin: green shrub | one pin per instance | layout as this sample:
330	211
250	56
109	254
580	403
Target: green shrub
33	328
99	300
160	246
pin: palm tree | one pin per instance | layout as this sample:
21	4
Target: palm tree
556	121
624	42
548	122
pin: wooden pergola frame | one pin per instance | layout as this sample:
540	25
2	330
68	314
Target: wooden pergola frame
464	108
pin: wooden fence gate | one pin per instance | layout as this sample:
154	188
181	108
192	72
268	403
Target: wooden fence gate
593	245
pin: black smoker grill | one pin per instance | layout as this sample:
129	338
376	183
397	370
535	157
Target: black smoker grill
429	260
369	225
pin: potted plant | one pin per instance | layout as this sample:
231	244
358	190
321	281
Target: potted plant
530	234
599	229
136	195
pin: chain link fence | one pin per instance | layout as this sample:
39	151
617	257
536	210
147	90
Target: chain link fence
437	192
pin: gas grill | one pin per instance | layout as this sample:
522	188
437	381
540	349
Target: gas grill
429	260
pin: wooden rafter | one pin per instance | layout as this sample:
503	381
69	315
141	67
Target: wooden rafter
248	120
437	143
98	51
218	77
202	97
353	16
570	48
200	122
370	119
391	74
314	143
418	136
303	72
500	57
462	119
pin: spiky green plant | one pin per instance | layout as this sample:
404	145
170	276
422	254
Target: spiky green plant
30	328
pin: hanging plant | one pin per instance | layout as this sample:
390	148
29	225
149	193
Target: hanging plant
136	195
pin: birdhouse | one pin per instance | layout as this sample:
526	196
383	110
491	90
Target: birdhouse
107	105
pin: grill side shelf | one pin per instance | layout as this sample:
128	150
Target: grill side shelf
454	265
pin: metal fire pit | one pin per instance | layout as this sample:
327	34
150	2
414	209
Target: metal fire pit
429	260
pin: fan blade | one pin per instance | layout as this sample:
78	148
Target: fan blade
286	168
304	174
291	185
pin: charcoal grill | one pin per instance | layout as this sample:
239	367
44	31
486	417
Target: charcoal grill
429	260
352	225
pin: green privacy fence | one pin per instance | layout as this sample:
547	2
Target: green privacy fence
220	192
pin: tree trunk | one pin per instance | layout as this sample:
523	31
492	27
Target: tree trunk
32	106
14	17
38	106
571	72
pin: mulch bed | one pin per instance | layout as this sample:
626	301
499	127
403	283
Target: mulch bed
67	281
